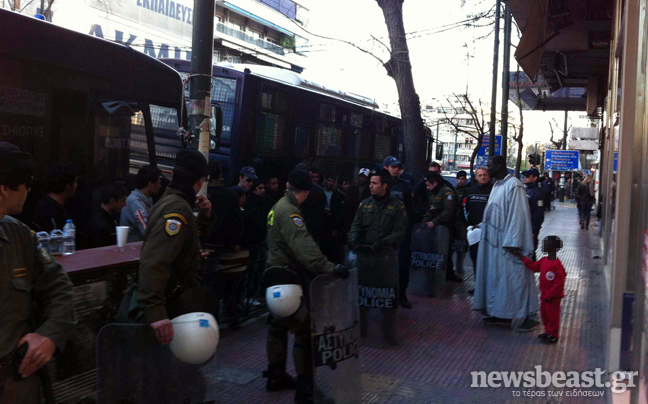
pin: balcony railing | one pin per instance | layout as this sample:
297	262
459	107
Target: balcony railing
238	34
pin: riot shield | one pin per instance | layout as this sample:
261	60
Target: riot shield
429	260
133	367
378	295
335	334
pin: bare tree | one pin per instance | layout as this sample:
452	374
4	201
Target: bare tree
519	134
463	104
18	6
399	68
557	144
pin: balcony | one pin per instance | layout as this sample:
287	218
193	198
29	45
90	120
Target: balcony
240	35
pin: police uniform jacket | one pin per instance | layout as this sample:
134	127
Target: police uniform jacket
476	200
31	279
289	242
381	220
170	258
442	207
536	204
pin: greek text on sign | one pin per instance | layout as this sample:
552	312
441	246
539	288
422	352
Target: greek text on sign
337	346
381	298
427	260
561	160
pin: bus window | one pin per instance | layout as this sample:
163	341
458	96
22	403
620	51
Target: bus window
224	93
117	142
382	147
301	141
329	141
358	145
167	142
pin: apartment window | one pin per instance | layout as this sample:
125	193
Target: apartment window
273	40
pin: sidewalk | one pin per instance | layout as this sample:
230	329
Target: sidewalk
443	340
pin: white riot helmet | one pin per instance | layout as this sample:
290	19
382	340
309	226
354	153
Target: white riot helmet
195	338
284	300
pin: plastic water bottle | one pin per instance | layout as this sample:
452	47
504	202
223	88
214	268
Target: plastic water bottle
43	239
56	242
69	233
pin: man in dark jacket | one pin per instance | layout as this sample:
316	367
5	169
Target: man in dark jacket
343	215
536	204
548	186
474	205
403	191
50	211
315	214
103	223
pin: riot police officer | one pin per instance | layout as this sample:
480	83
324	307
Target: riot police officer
536	204
442	211
25	268
170	271
292	253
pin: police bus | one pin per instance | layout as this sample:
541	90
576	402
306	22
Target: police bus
71	97
274	118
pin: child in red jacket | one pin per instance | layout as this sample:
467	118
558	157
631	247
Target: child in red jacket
552	285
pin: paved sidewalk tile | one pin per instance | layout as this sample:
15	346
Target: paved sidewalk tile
443	340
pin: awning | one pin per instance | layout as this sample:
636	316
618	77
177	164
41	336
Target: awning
534	35
274	61
256	54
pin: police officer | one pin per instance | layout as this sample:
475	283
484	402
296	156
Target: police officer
460	241
548	186
402	190
442	212
170	272
476	200
536	204
24	269
291	246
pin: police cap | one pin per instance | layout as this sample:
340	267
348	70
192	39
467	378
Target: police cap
531	171
16	167
300	179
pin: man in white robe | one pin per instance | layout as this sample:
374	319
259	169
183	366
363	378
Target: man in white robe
504	288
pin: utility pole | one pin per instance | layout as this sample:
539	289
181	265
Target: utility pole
454	158
491	137
202	49
564	142
506	65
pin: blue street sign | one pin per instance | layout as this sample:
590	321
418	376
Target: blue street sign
616	161
482	153
561	160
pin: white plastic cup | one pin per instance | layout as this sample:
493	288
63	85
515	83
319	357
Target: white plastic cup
122	236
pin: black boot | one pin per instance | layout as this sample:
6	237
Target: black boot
404	301
278	379
304	393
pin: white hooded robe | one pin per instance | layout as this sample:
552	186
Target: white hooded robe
504	287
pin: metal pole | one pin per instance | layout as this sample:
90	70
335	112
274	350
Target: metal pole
491	137
454	159
564	143
202	49
506	64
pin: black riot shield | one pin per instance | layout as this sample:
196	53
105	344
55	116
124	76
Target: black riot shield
428	260
133	367
378	295
335	333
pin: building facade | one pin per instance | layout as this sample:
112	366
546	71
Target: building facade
266	32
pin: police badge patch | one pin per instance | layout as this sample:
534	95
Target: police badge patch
172	227
299	222
540	203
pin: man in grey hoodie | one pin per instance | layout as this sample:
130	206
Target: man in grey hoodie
139	202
